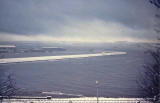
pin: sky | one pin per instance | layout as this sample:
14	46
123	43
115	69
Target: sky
82	21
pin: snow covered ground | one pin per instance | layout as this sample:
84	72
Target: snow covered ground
78	100
49	58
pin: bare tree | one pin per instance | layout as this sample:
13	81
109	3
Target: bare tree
7	87
155	2
150	81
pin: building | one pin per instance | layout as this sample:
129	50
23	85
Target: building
7	48
52	49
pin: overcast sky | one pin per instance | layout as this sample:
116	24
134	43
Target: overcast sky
77	20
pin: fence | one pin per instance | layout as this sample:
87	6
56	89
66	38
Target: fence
77	100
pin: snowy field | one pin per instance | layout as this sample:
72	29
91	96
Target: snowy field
78	100
49	58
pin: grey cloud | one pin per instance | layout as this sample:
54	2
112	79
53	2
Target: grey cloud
49	16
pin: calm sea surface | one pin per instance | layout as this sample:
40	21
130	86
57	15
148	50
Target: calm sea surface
117	75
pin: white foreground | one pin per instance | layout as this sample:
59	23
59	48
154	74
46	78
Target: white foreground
50	58
77	100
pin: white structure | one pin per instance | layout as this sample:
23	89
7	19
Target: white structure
51	58
7	48
51	49
77	100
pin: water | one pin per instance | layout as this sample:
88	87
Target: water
117	75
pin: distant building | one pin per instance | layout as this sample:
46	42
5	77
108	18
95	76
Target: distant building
52	49
7	48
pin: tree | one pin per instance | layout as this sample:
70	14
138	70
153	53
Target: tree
7	87
155	2
150	82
